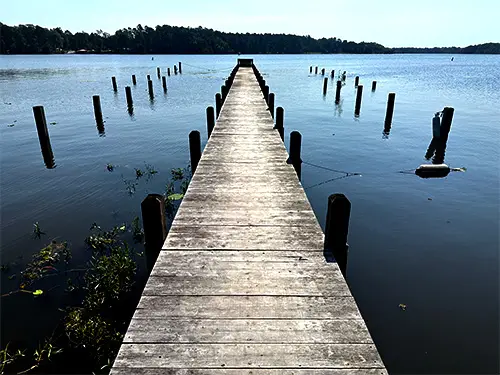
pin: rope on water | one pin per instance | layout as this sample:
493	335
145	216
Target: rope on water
207	69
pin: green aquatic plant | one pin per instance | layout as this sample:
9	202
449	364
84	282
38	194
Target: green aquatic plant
8	357
37	232
138	173
137	231
110	167
100	240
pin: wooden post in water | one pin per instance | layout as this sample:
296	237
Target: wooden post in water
113	81
390	108
168	72
134	80
148	77
155	228
359	95
266	93
158	72
294	157
223	92
43	136
374	85
270	104
316	70
180	67
218	104
210	120
446	121
337	93
164	83
310	69
97	109
280	119
333	74
128	94
323	71
337	229
356	81
325	85
150	88
194	149
175	69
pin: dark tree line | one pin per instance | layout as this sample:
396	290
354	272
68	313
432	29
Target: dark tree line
31	39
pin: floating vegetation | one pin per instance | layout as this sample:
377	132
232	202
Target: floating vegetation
402	306
7	357
177	174
102	240
110	167
37	232
137	231
53	123
138	173
150	169
11	125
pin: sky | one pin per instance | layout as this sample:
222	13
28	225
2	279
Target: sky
393	23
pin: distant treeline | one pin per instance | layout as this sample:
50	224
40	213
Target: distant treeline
31	39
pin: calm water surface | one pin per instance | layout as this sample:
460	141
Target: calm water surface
431	244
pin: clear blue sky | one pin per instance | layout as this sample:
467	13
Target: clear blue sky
419	23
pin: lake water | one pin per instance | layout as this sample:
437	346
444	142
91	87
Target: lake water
431	244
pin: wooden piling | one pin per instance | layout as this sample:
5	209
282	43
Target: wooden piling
158	72
168	72
325	85
270	104
337	92
356	81
150	88
194	149
310	69
333	74
390	108
294	157
43	136
180	67
128	94
266	93
374	85
218	104
441	142
359	95
113	81
316	70
148	77
323	71
134	80
280	119
164	83
175	69
97	109
223	91
337	228
210	120
154	224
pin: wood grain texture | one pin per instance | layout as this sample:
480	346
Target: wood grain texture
241	285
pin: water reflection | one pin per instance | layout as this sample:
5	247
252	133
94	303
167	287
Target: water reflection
387	130
152	102
48	155
130	110
100	128
436	150
338	108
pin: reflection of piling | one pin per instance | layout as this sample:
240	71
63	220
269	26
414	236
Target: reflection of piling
150	88
270	104
128	94
374	85
210	120
337	228
134	80
390	108
337	92
43	136
294	158
158	72
280	119
194	149
180	67
113	81
359	95
155	228
325	85
218	104
164	83
356	81
168	72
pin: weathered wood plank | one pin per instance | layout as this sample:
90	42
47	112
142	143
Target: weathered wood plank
256	307
249	355
274	238
252	371
148	330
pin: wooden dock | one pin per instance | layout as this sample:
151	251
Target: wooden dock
241	285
